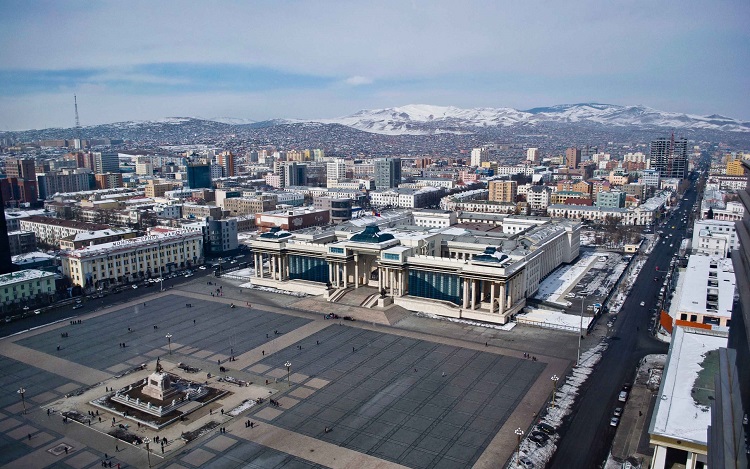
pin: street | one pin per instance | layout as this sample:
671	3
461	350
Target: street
587	435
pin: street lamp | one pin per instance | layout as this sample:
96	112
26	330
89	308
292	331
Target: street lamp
148	450
22	391
288	366
169	342
519	434
554	379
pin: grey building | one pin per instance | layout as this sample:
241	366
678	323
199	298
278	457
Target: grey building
387	173
106	162
222	235
611	199
21	242
340	209
669	157
65	180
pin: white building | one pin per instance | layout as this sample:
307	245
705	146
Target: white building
454	272
714	237
478	156
682	414
128	260
435	218
335	171
538	197
406	198
706	293
532	155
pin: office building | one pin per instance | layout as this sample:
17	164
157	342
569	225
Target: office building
133	259
144	167
65	180
572	157
714	237
106	162
226	160
669	157
532	155
108	180
335	171
21	242
6	265
479	156
387	173
26	285
21	168
199	176
222	235
611	199
50	231
727	439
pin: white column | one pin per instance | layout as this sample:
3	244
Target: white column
492	297
466	294
502	298
380	280
473	294
356	271
346	275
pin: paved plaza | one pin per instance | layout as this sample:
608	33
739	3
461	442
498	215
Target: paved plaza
349	393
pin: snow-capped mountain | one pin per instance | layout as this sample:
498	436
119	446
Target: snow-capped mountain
420	119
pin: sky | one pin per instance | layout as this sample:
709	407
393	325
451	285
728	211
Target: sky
306	59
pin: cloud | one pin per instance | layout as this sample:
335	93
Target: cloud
357	80
476	52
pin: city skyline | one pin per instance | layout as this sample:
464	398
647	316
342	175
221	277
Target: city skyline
326	60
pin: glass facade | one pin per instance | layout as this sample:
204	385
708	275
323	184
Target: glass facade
435	285
308	268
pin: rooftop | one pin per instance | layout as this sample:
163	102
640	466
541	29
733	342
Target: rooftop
699	284
677	414
23	276
78	225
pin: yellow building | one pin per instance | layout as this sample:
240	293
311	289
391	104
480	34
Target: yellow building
130	259
734	167
503	191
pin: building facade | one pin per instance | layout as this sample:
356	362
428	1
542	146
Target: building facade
26	285
132	259
453	272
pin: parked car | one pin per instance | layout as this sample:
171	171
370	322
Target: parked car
548	429
643	303
614	421
135	287
539	438
623	396
203	267
618	412
523	461
77	305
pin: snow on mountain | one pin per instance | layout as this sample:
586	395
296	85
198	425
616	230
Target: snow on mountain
230	120
422	119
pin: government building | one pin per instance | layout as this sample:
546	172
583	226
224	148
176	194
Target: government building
475	271
133	259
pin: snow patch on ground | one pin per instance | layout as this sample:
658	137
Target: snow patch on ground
554	286
564	400
504	327
273	290
241	408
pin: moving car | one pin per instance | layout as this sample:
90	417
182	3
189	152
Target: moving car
77	305
643	303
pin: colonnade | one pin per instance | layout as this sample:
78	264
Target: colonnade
501	296
278	266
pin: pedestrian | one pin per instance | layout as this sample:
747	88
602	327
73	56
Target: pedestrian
66	450
317	342
193	321
29	436
485	344
252	424
117	449
100	420
263	352
47	412
222	411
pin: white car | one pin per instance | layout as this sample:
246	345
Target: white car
643	303
203	267
188	275
135	287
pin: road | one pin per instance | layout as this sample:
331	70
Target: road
587	435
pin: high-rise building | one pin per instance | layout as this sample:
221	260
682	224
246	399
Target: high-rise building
731	396
572	157
226	160
295	174
22	168
669	157
387	173
6	265
503	191
199	176
479	156
335	171
106	162
532	155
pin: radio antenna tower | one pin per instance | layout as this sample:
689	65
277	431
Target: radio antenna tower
78	121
